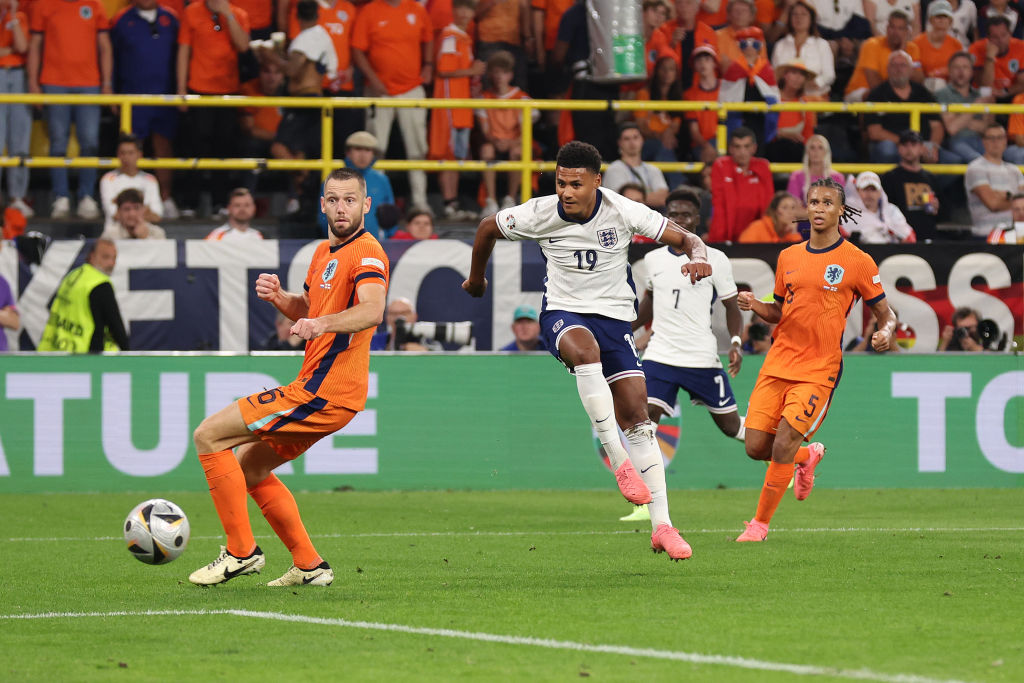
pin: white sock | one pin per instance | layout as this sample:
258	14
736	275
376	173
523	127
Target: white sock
742	433
646	457
596	396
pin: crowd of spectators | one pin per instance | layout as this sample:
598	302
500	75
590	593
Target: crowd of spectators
958	51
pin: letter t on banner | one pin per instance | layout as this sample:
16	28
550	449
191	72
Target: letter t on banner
931	389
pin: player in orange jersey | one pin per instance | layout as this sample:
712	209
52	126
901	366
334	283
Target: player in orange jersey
342	304
816	284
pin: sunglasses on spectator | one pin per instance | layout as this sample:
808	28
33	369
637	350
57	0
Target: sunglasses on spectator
752	43
216	21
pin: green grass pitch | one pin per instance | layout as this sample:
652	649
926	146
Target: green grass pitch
908	586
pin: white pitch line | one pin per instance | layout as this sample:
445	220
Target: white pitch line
690	657
542	532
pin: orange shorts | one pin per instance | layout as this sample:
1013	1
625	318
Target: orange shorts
290	419
802	404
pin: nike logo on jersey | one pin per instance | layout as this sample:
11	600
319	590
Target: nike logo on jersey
555	239
790	271
723	401
644	470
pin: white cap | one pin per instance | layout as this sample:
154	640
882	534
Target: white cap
869	179
940	8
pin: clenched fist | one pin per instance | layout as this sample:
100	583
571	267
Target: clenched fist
307	328
268	286
696	270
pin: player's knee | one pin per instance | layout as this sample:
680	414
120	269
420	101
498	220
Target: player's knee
729	424
253	475
203	436
757	451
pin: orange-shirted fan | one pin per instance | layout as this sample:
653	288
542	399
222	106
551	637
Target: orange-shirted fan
14	59
1006	67
338	20
553	11
213	65
392	38
70	54
454	53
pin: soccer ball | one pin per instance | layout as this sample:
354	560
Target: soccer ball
156	531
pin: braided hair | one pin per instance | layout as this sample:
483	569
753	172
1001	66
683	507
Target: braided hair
849	212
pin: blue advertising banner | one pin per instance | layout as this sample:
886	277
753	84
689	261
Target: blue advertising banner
194	295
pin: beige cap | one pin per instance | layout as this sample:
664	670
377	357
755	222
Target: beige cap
362	139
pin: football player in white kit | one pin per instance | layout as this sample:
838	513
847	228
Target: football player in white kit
589	302
682	352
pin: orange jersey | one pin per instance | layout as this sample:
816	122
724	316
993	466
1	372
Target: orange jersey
1006	67
337	366
553	11
454	53
338	21
935	60
261	12
874	54
70	54
800	123
500	24
707	120
762	231
503	124
7	38
766	14
263	118
392	38
657	121
213	62
1016	124
817	289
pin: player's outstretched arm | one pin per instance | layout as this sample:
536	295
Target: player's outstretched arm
268	288
769	312
682	239
882	340
369	312
734	323
486	235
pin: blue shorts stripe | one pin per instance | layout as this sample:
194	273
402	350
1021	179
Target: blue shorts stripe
300	413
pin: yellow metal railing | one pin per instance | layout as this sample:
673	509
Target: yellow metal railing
526	165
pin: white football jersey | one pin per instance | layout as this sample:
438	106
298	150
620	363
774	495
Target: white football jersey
587	262
681	331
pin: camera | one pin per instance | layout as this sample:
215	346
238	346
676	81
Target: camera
991	338
458	333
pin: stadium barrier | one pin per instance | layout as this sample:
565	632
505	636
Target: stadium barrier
124	423
526	166
192	295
